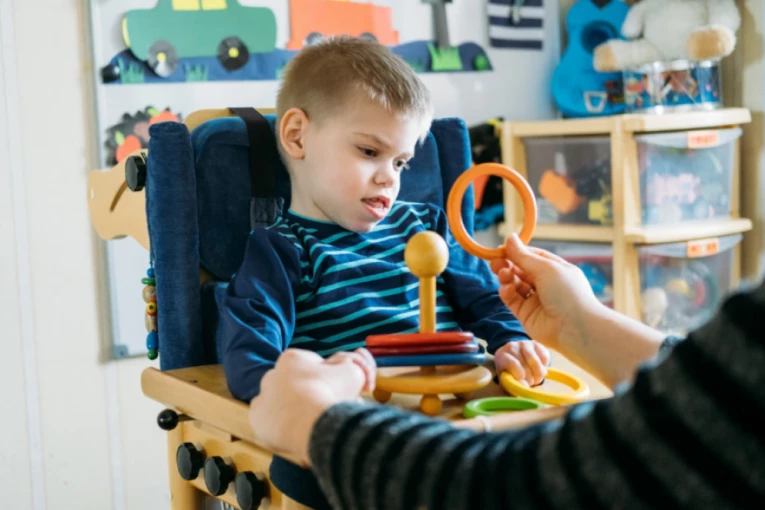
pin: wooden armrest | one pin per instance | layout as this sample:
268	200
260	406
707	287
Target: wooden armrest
201	393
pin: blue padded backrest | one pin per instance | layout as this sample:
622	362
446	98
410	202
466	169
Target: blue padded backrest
221	148
198	205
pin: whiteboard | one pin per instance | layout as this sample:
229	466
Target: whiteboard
518	88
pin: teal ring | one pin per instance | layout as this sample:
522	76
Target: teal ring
493	406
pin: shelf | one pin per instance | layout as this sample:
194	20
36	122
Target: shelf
590	126
639	235
581	233
643	123
686	231
690	120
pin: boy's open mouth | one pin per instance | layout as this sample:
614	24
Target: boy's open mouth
377	205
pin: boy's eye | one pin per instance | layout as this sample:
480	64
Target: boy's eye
370	153
402	165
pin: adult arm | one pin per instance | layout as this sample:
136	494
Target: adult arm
556	305
258	313
473	293
688	434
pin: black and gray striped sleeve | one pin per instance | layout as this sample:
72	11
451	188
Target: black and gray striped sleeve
690	433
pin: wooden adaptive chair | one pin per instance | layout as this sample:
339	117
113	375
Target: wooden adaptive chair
192	199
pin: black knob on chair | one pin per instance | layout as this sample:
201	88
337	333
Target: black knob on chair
135	172
167	419
189	461
250	490
218	475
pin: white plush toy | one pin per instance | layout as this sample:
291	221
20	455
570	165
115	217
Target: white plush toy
664	30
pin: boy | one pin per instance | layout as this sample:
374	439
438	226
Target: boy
331	271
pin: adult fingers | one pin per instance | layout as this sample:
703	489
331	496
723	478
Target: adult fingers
497	265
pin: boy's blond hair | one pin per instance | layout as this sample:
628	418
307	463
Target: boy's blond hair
320	79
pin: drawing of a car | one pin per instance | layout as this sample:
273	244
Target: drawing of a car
313	20
198	28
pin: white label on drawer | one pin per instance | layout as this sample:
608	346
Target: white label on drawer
702	139
703	247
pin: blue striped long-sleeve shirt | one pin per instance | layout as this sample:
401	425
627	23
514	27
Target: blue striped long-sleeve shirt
314	285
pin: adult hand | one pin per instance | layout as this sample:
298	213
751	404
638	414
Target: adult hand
297	391
551	297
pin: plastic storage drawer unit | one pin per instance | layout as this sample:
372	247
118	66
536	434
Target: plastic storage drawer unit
571	178
682	284
686	176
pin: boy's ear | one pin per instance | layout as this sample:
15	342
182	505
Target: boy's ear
291	130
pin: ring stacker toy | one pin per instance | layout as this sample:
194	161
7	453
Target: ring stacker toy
580	390
454	211
492	406
425	363
454	215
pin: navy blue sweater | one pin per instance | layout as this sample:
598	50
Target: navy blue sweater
316	286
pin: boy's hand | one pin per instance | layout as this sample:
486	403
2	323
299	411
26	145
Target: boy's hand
363	359
526	360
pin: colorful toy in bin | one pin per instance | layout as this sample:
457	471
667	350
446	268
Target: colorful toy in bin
679	295
580	196
601	211
682	184
560	191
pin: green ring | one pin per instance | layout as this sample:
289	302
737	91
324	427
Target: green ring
493	406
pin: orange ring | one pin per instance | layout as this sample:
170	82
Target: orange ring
454	208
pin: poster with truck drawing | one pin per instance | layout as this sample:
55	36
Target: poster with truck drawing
213	40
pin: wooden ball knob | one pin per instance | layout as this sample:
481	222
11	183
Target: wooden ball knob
426	255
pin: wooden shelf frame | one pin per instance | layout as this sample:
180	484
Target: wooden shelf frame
627	233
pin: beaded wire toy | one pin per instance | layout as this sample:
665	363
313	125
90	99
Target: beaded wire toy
150	298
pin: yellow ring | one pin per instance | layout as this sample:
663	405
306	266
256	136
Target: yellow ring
580	390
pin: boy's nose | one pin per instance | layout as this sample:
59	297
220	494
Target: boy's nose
385	176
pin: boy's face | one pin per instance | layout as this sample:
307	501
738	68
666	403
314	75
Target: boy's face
350	170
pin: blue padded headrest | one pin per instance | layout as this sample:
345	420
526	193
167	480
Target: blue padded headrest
221	148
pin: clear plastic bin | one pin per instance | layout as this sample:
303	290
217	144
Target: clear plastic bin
594	259
571	178
682	284
686	176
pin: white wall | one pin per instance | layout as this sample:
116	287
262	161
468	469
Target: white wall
76	430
